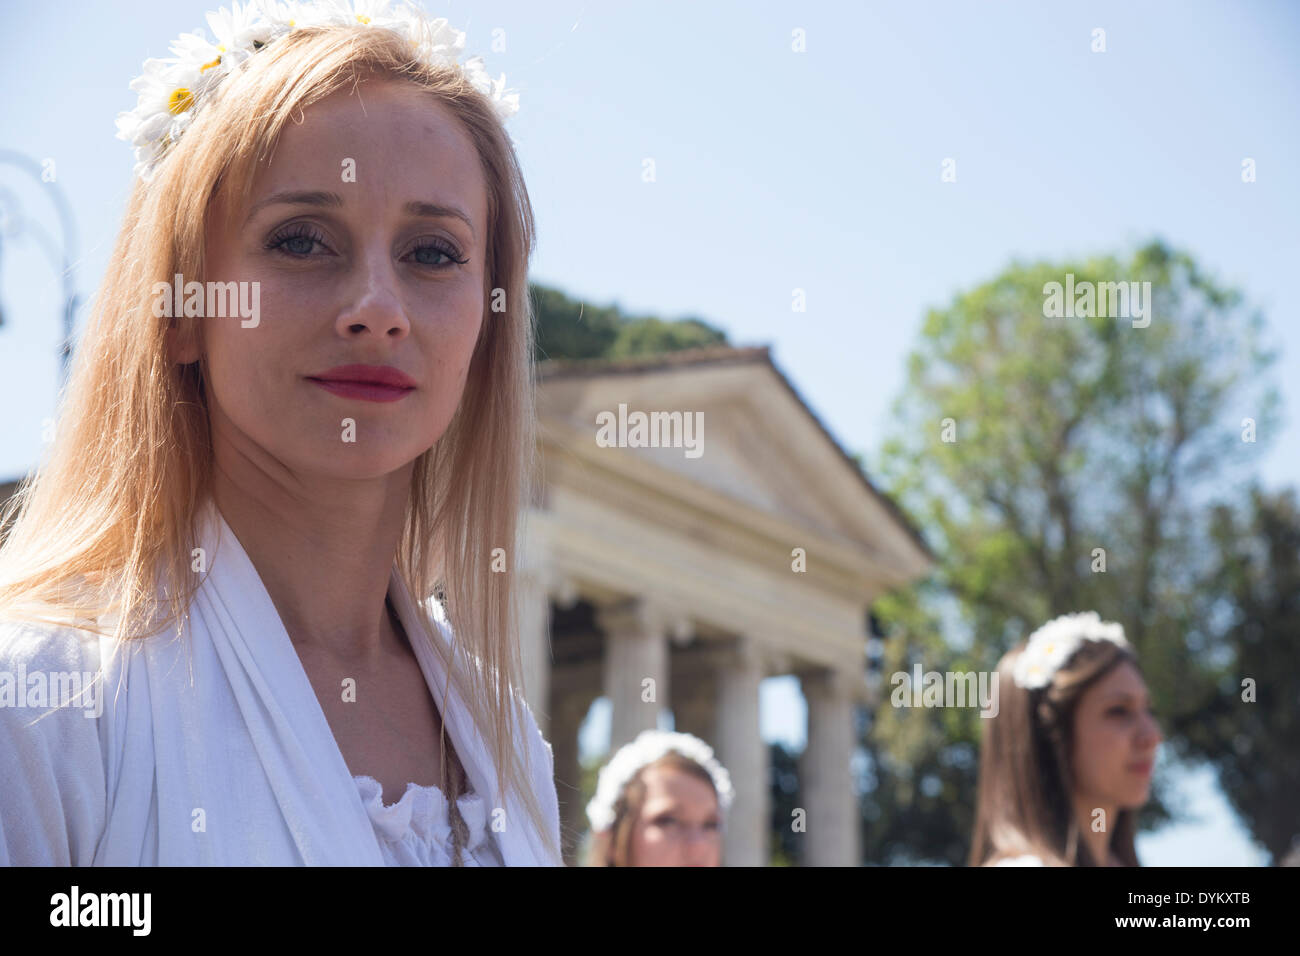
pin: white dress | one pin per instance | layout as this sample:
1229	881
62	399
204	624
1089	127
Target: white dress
214	750
416	830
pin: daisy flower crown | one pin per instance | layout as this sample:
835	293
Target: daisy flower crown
174	89
1052	645
648	747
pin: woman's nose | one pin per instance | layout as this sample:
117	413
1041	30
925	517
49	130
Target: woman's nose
1149	731
377	307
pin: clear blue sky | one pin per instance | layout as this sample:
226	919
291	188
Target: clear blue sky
778	170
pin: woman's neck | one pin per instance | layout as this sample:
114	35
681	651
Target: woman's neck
1096	825
324	561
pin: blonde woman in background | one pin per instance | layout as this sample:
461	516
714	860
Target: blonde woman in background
660	801
240	519
1066	763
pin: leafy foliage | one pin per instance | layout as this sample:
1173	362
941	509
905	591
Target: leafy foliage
1254	744
1072	441
567	328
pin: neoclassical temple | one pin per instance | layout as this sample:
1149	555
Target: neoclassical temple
674	568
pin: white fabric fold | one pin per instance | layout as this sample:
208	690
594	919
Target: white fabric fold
416	830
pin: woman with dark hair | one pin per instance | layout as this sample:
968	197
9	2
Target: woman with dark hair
1067	761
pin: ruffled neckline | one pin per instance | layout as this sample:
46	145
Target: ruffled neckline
422	813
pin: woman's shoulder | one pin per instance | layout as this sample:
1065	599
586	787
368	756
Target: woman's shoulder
52	791
49	672
40	646
53	788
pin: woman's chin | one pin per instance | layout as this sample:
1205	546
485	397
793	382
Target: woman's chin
354	465
1137	798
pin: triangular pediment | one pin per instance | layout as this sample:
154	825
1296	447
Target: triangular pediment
759	444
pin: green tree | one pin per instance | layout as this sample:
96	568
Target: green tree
783	783
568	328
918	783
1058	465
1250	733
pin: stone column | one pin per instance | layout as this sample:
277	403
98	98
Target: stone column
742	751
825	780
636	651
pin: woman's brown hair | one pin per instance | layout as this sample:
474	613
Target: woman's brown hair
1025	783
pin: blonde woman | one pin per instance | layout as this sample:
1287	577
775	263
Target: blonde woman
1066	763
660	801
235	534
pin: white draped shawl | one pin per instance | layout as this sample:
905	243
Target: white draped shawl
237	766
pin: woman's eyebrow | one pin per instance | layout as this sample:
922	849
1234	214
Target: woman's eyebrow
1122	695
426	210
431	210
295	198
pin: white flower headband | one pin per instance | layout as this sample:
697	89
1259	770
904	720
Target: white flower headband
648	747
172	90
1053	644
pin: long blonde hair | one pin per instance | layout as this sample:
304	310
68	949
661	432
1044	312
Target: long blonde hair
112	507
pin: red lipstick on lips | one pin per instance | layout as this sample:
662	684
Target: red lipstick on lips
370	383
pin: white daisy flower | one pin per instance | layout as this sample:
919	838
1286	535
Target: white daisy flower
172	90
237	28
434	41
164	94
202	60
444	38
506	104
324	13
195	47
377	13
276	14
1051	646
169	92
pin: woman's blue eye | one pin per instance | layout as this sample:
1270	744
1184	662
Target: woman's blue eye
298	235
299	249
298	242
445	251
